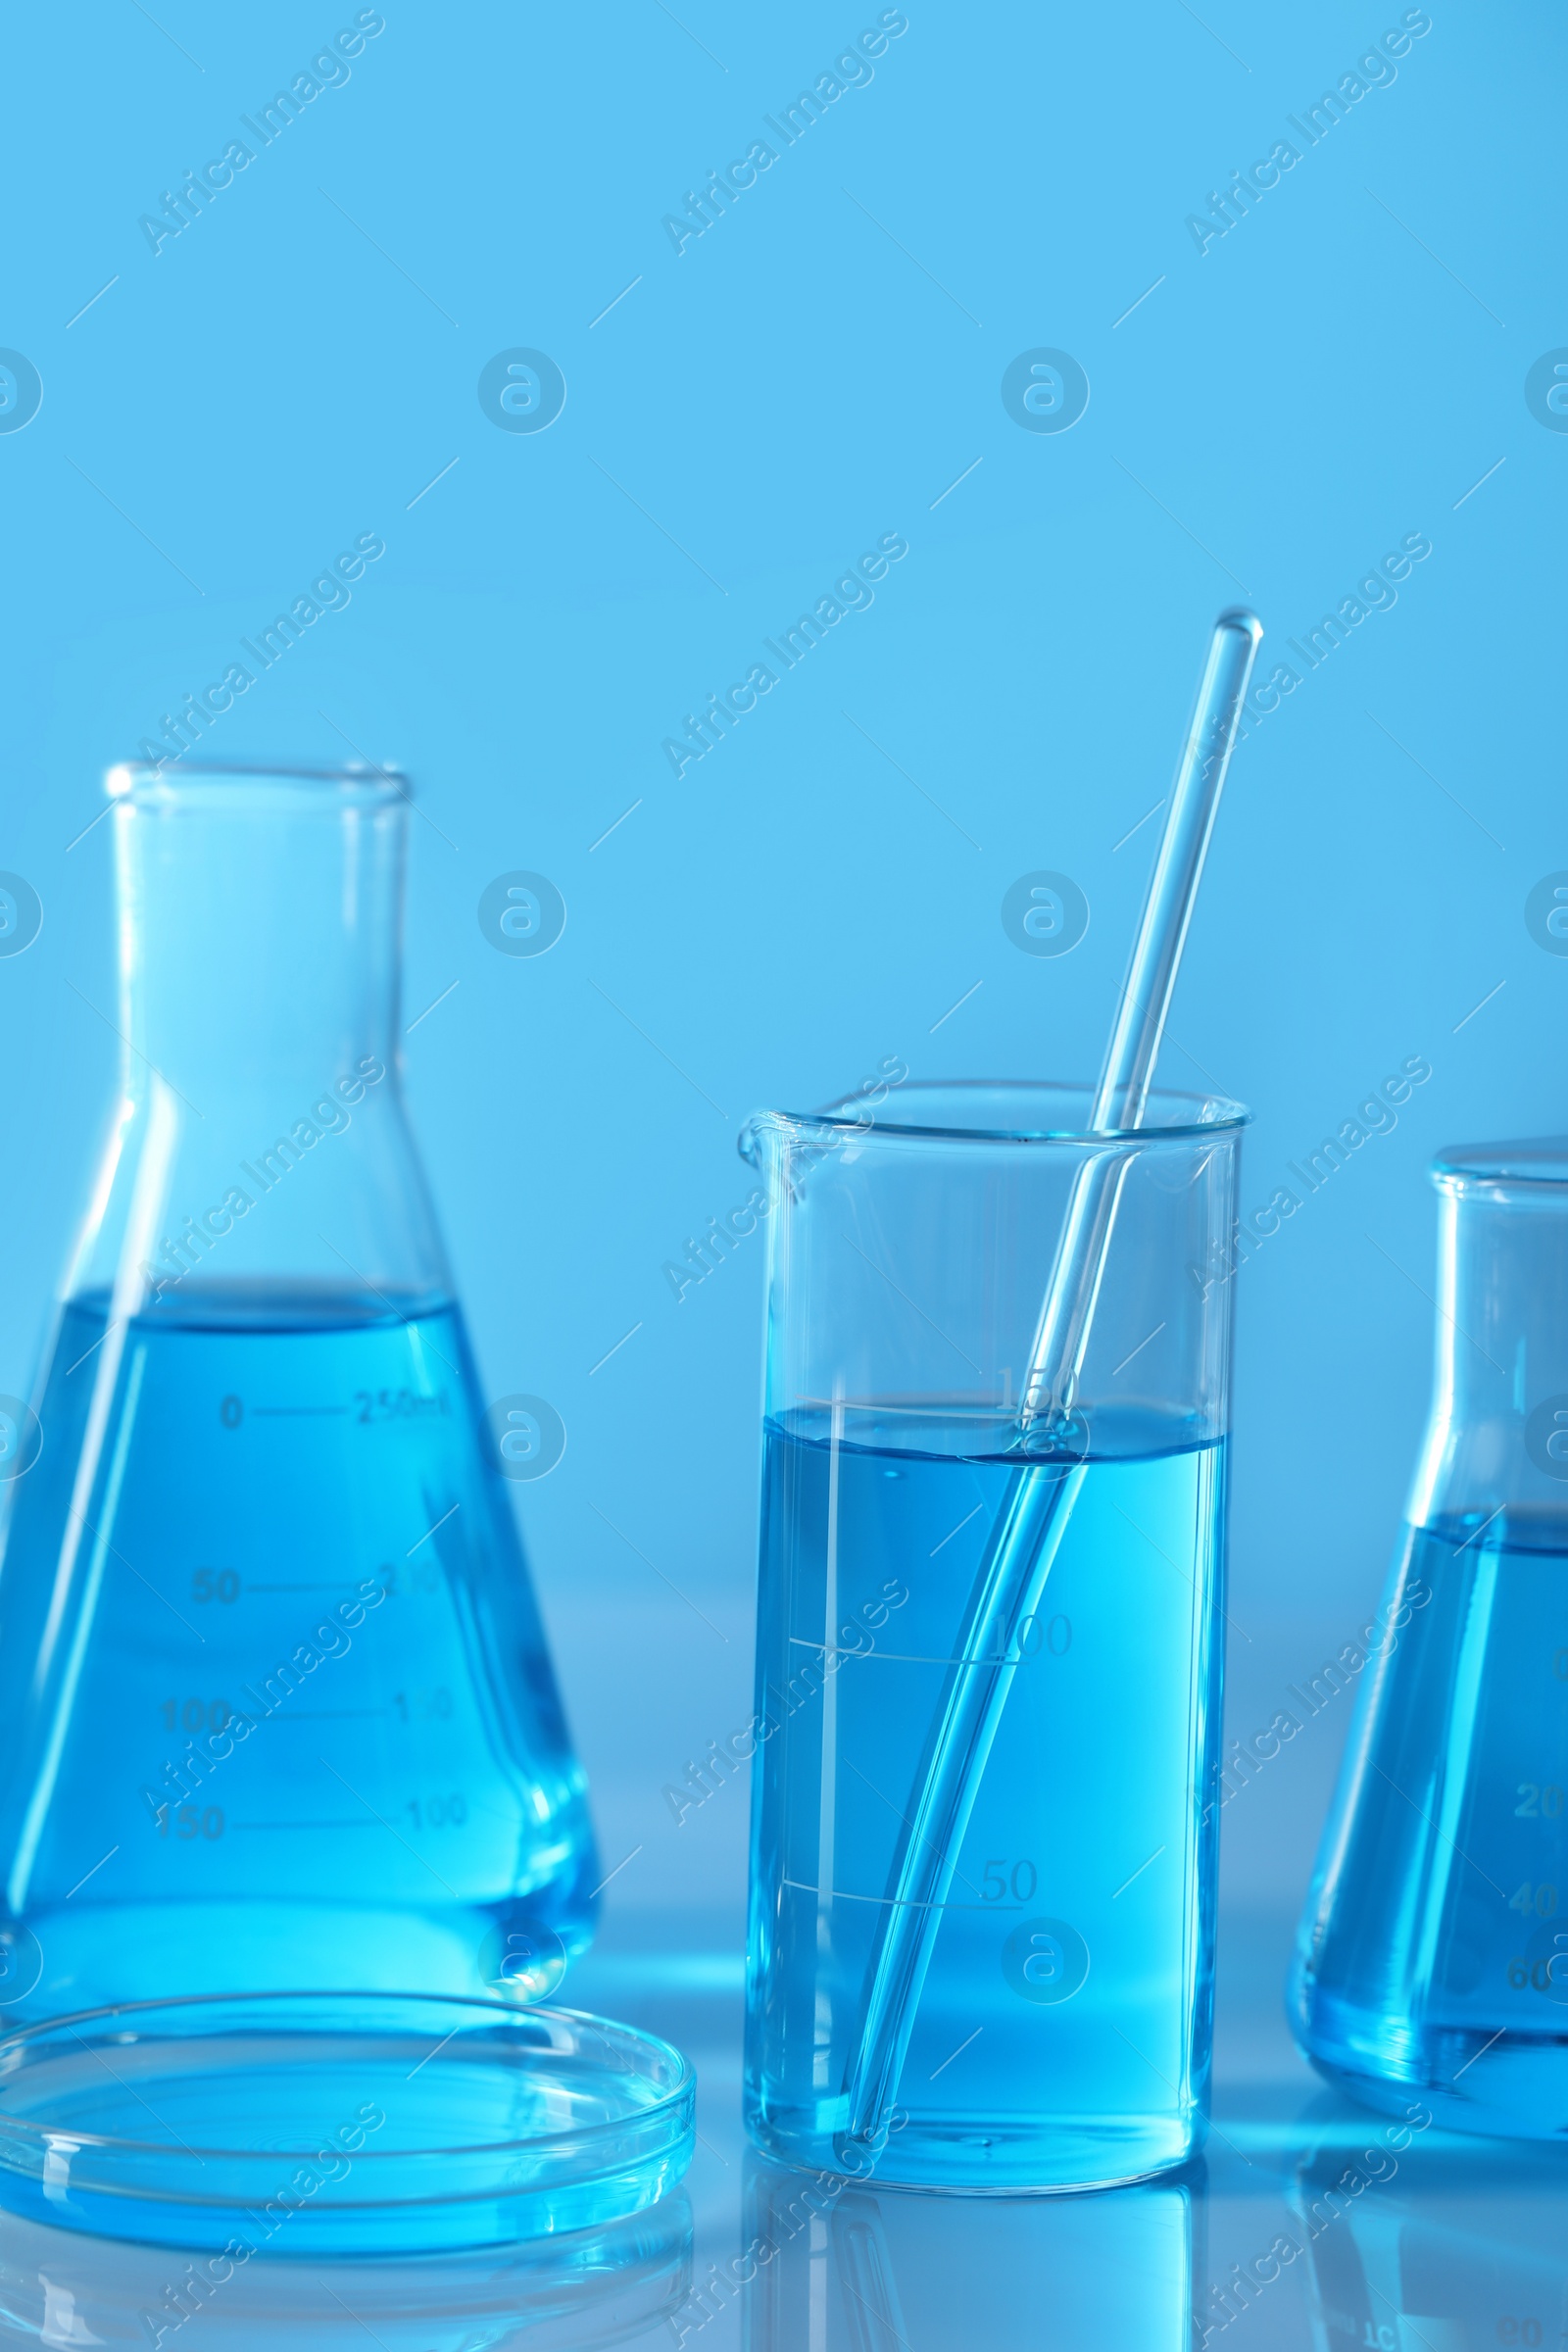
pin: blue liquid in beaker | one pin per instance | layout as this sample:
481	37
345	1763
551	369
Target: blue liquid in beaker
1434	1955
1054	2038
274	1702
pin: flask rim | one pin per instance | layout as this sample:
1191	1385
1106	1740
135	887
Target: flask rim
1536	1164
356	783
1177	1116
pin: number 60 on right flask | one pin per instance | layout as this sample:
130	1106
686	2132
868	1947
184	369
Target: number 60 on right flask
1433	1957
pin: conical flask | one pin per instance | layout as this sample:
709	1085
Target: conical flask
1433	1957
276	1707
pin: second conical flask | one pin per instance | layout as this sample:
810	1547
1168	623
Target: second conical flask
1433	1960
275	1708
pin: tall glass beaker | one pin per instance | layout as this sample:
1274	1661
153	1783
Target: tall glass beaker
275	1708
1433	1957
1061	2037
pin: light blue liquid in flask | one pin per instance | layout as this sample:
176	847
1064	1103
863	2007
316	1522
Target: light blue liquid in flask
276	1706
1433	1957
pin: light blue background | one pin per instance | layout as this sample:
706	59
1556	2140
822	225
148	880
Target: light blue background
819	370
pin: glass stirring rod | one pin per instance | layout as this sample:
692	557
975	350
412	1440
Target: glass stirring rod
1040	1497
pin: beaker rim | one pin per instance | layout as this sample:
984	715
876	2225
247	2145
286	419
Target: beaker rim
357	783
1175	1115
1539	1161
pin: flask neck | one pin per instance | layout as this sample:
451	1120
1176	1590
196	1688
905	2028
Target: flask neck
259	942
1501	1357
261	1148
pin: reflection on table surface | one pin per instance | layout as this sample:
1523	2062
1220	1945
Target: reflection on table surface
1340	2242
1310	2223
1465	2245
592	2287
861	2271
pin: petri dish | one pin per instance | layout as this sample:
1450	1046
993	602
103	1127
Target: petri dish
307	2124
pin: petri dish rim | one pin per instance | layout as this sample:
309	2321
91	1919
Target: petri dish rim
356	2008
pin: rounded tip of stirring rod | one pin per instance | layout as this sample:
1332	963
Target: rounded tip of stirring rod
1241	621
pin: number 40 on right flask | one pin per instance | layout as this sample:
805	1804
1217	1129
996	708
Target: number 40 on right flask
1432	1956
